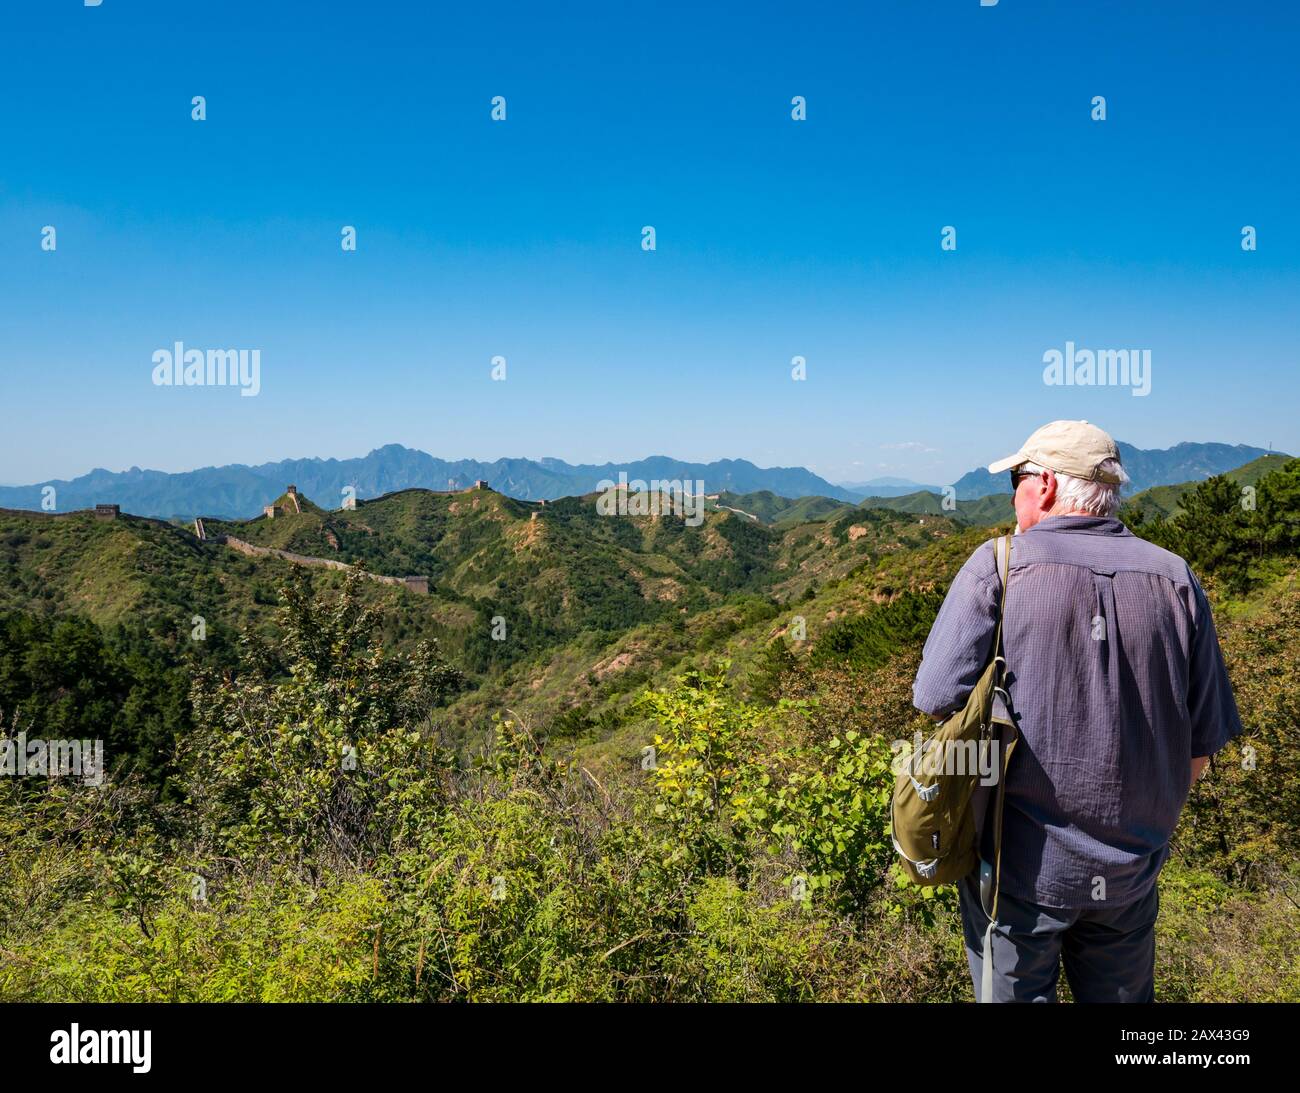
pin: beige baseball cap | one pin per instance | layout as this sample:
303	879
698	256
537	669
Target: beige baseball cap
1067	447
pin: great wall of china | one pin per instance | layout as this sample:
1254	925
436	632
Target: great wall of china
413	584
419	585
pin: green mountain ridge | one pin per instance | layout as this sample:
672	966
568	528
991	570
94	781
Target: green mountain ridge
1165	500
542	577
549	607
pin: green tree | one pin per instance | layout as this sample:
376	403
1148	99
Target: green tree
320	745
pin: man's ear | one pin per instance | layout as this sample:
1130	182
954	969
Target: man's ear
1048	496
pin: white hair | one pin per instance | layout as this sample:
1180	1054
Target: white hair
1085	494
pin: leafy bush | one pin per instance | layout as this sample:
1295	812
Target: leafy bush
330	758
873	638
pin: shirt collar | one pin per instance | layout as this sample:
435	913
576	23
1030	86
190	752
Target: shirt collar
1088	525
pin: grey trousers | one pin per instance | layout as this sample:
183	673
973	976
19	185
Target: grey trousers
1109	952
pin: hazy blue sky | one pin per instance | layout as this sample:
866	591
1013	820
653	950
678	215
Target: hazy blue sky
775	238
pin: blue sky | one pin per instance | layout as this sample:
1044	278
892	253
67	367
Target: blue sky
775	238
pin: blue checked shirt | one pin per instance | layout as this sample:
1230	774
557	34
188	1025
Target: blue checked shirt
1117	683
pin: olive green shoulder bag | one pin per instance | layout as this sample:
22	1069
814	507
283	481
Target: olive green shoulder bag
940	797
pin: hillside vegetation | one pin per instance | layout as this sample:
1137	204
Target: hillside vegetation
1166	501
692	805
993	509
533	602
769	508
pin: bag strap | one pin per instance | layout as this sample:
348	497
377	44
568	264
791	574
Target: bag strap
990	872
1002	554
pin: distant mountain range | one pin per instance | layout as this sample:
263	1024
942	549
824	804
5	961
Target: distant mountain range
888	487
1186	462
238	491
